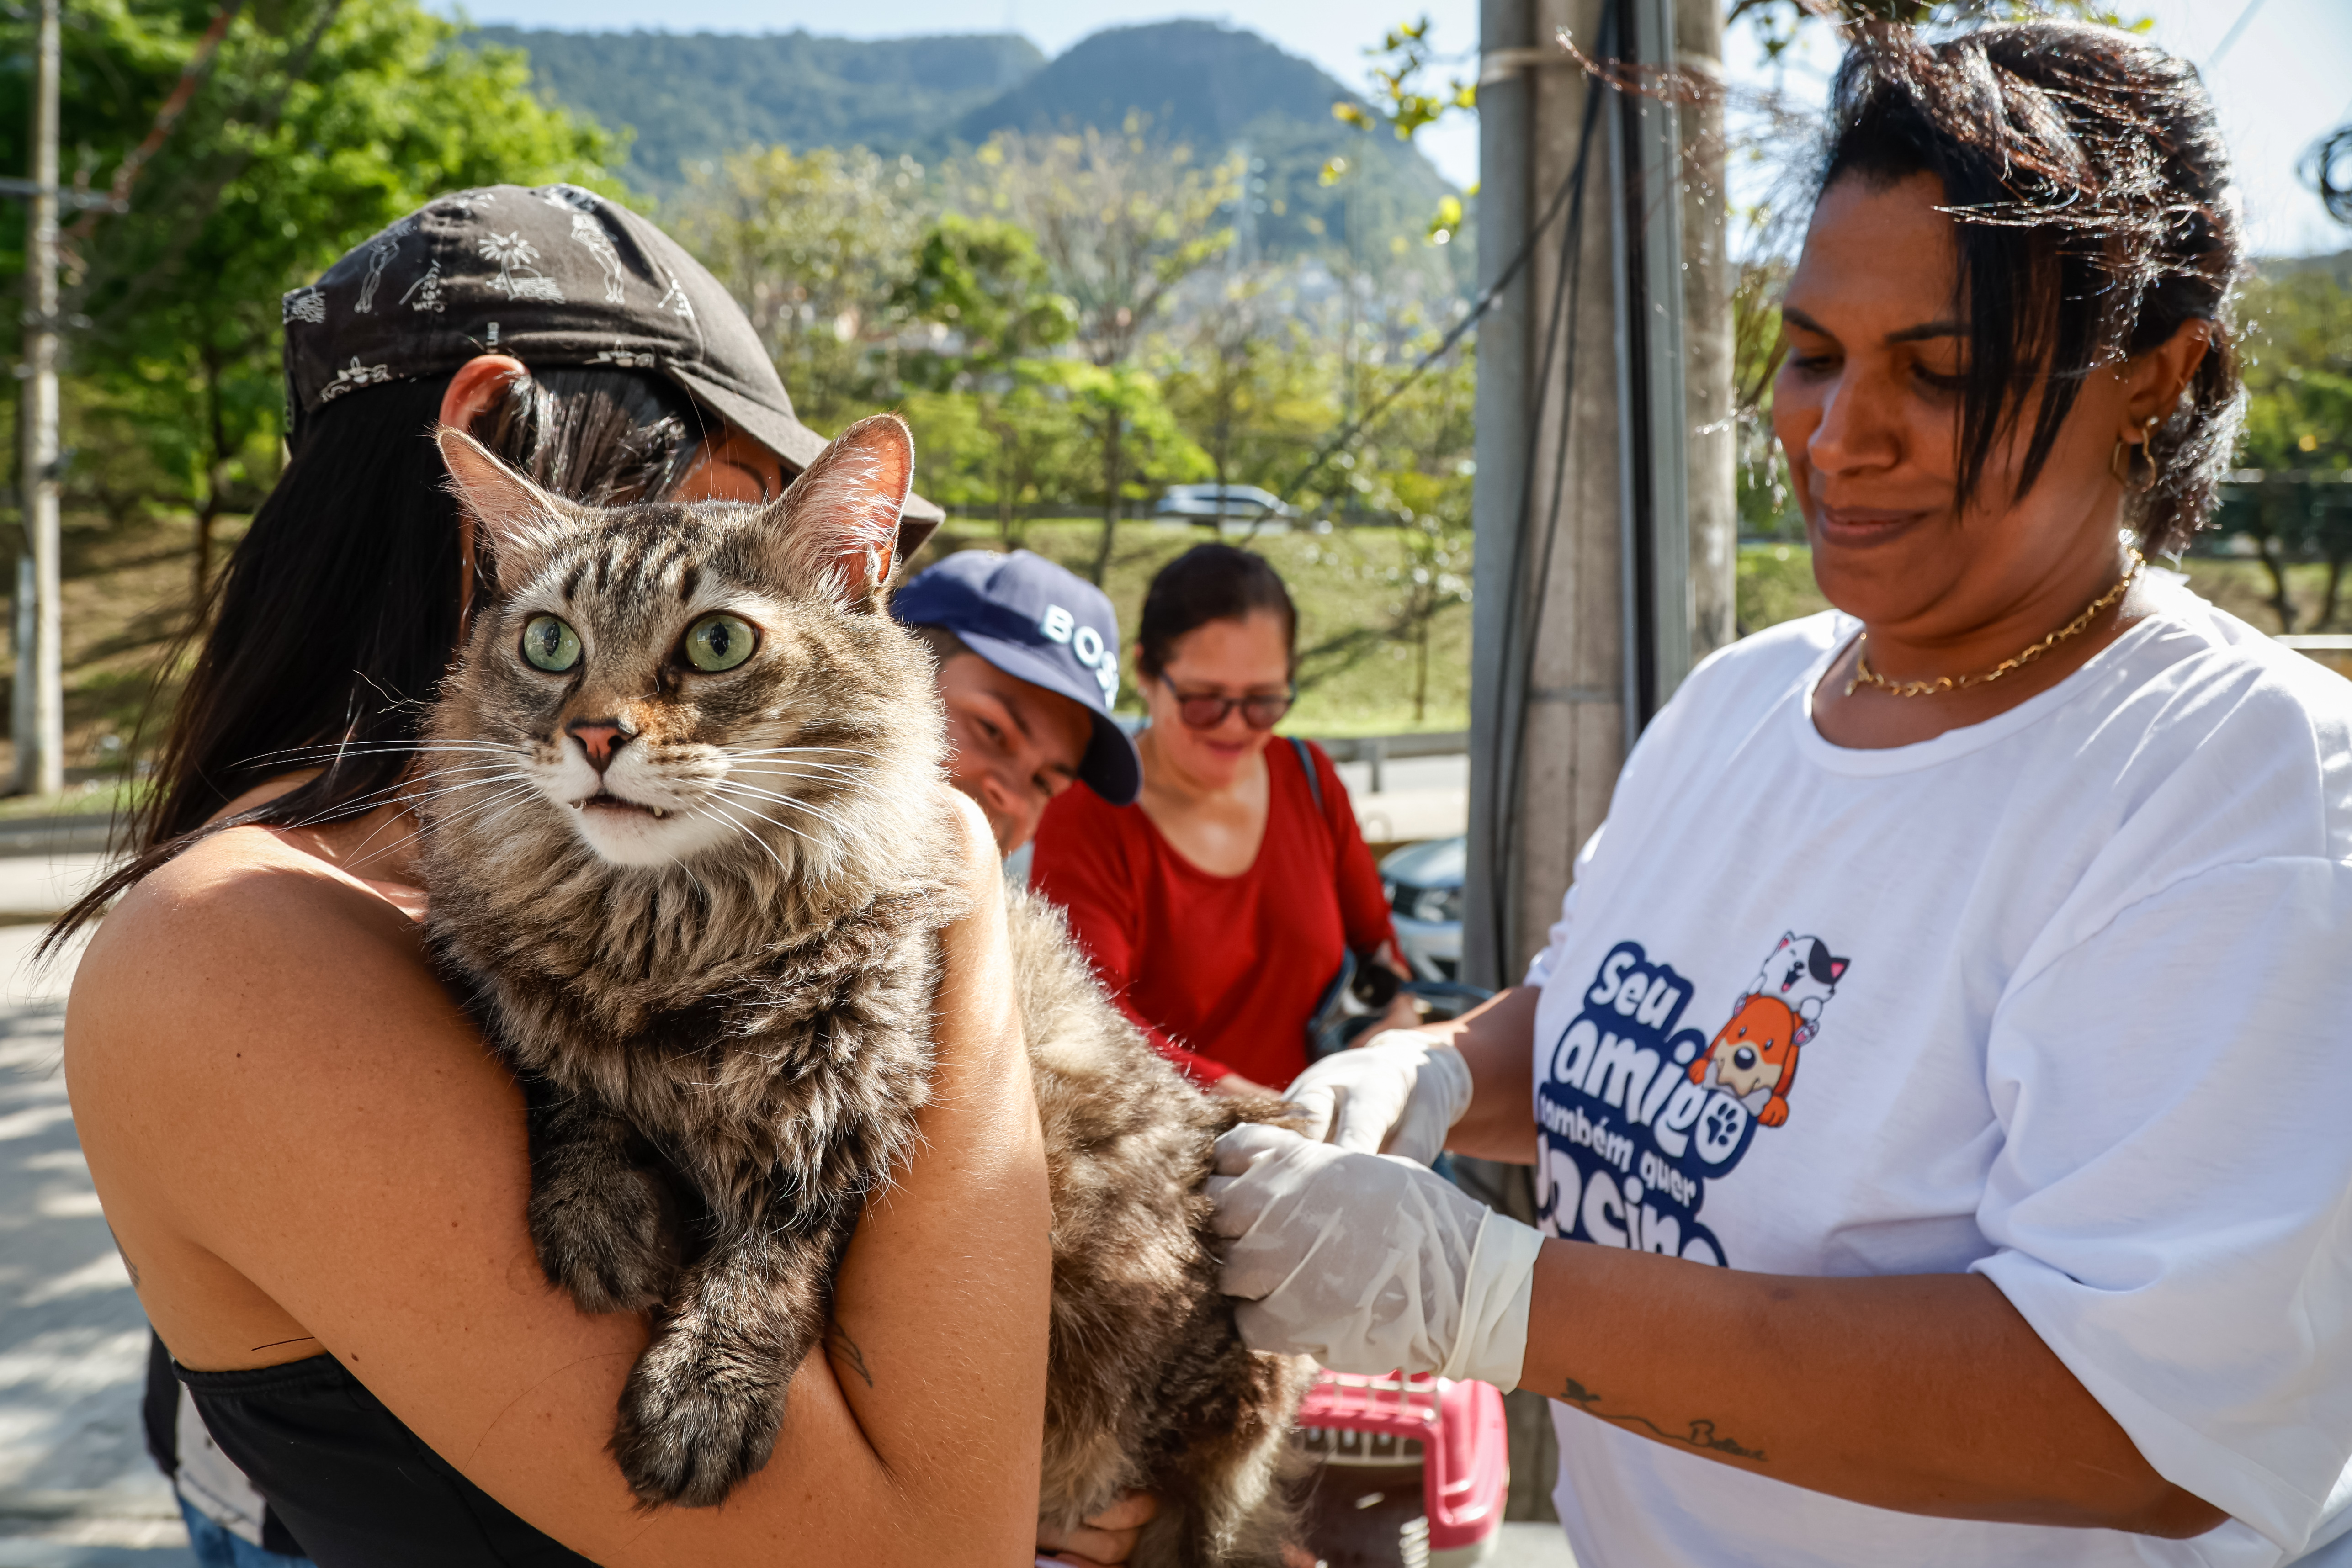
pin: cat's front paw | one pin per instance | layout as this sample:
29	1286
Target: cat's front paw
694	1425
605	1240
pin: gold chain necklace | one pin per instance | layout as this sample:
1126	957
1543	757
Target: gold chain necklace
1863	676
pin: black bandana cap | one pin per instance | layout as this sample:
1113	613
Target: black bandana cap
552	275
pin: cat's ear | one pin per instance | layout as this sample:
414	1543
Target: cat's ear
839	521
518	517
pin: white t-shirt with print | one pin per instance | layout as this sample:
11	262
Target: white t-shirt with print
2063	999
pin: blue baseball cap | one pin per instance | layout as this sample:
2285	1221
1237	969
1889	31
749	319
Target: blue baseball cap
1043	624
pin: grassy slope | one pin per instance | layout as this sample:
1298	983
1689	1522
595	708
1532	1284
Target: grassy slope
126	597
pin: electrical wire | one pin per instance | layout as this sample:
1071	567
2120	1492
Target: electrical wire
1519	631
1478	307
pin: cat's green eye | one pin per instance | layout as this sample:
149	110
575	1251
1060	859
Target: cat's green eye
719	643
550	645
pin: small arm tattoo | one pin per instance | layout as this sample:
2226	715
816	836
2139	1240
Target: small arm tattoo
845	1350
1701	1435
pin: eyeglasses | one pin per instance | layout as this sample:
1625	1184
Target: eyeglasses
1206	710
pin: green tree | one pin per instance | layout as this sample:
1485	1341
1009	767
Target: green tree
310	127
1119	223
2298	367
997	422
815	246
1245	380
1417	471
1136	440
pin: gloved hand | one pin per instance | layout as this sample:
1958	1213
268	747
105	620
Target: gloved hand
1369	1262
1398	1093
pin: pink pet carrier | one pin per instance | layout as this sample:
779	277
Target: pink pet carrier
1410	1472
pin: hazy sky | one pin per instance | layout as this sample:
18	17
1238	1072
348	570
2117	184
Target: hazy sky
2286	78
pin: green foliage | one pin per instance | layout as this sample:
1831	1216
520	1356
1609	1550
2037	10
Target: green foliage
982	281
1119	219
318	122
2297	354
1397	62
814	245
1249	382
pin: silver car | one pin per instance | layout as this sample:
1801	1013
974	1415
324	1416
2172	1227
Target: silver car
1424	884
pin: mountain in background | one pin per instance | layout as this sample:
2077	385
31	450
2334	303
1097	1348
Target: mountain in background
691	95
1217	90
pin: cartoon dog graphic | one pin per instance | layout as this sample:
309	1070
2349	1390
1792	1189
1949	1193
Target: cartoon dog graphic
1802	974
1755	1053
1753	1057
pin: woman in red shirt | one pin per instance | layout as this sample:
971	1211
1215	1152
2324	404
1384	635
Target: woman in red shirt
1216	909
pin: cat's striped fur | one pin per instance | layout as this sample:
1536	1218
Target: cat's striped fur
715	984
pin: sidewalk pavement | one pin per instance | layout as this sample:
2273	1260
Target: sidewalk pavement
77	1490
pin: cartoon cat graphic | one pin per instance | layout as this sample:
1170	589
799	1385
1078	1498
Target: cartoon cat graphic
1802	974
1754	1054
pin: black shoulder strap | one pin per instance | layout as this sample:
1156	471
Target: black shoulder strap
1314	780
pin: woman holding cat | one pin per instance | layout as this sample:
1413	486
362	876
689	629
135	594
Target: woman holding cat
316	1173
1217	909
2039	1257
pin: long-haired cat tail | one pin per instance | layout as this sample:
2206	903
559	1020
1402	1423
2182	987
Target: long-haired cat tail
699	916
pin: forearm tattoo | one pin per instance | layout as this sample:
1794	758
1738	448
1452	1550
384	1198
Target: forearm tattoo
1701	1433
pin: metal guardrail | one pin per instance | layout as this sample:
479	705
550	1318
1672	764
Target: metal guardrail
1380	749
84	834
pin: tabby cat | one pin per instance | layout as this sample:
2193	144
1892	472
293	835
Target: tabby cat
682	832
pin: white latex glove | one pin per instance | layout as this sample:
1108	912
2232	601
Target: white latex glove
1369	1262
1400	1092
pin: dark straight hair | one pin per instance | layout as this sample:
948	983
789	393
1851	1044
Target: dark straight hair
338	610
1210	582
2095	216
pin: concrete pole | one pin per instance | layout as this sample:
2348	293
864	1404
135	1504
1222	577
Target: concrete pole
39	722
1603	509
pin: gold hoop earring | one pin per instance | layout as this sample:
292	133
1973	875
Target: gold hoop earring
2123	462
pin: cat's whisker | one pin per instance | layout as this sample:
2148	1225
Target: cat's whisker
787	827
324	753
472	810
819	813
407	794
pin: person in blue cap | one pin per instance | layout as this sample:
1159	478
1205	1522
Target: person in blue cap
1028	669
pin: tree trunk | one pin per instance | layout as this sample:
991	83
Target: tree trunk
1112	473
2335	581
1005	470
208	509
1421	663
2281	605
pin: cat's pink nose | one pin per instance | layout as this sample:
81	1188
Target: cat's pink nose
599	738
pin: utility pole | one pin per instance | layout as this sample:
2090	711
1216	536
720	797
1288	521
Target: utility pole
1604	511
39	716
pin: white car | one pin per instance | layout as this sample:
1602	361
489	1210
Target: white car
1242	503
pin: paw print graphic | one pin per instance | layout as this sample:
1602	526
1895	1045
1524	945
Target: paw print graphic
1719	1128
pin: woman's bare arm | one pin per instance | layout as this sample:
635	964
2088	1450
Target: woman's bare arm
1925	1393
1496	1039
293	1128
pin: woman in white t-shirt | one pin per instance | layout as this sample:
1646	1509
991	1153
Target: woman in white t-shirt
1940	1100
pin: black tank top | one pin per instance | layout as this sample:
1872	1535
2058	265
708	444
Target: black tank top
356	1488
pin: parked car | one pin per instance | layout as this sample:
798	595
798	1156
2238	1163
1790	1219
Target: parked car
1424	884
1242	503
